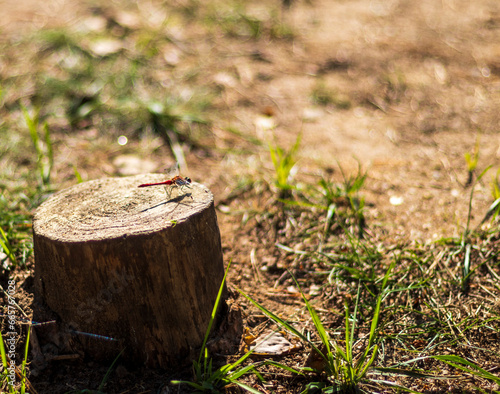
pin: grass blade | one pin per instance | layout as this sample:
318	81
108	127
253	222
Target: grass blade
77	175
316	320
409	373
32	124
248	388
50	155
395	385
275	318
23	365
214	313
283	323
361	367
5	371
108	372
7	248
492	210
462	364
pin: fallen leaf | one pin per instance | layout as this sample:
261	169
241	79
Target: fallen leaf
271	344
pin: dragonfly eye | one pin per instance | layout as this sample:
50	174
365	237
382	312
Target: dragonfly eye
188	180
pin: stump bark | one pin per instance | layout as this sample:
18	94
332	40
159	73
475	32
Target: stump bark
129	266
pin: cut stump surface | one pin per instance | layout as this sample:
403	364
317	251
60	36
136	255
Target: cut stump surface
127	263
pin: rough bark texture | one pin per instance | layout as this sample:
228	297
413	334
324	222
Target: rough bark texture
125	262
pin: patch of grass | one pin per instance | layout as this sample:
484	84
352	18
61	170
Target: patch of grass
465	245
323	95
422	320
15	228
284	162
236	20
166	119
468	367
78	176
115	91
7	248
350	189
2	95
10	371
44	151
8	376
343	370
472	160
208	379
332	196
494	208
394	86
232	19
355	262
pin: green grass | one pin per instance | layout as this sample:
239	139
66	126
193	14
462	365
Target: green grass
15	231
7	247
494	208
472	160
284	162
44	151
343	368
421	314
328	195
235	21
323	95
6	378
108	91
209	379
426	318
468	367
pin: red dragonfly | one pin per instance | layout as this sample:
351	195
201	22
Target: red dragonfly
177	180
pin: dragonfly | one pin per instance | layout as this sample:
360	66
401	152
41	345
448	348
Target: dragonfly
35	324
30	322
179	181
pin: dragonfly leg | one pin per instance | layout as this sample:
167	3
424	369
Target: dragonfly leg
185	185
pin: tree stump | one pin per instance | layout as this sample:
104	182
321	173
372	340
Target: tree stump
127	267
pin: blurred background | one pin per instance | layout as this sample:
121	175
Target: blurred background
118	88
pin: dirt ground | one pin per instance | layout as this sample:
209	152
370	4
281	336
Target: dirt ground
421	80
403	88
